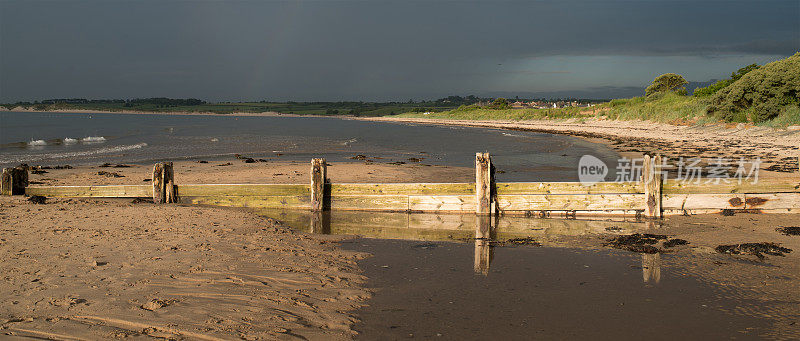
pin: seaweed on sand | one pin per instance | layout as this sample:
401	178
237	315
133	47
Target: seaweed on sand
789	230
37	199
754	249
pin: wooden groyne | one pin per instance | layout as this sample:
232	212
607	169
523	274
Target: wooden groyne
651	197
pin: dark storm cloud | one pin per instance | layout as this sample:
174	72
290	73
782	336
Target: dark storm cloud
329	50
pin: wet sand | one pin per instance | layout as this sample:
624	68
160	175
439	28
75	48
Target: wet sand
233	170
576	287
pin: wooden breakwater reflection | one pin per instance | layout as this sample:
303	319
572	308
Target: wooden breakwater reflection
482	230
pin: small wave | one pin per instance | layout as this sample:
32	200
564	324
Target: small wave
68	140
37	143
107	150
93	139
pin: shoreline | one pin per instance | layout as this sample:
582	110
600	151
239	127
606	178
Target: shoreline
778	149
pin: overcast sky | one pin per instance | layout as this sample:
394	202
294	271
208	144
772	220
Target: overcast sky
378	49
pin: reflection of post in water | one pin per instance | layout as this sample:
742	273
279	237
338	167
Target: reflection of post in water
484	233
651	263
321	222
651	267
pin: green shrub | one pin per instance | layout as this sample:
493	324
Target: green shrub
714	88
500	104
761	94
668	82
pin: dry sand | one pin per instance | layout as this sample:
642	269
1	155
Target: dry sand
89	269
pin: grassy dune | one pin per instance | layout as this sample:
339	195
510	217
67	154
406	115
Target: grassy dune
667	108
767	95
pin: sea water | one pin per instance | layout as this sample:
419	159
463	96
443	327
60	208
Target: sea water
37	138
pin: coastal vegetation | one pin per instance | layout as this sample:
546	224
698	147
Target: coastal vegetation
765	95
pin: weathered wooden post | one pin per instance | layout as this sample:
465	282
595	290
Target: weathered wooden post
319	173
164	183
483	183
159	193
7	182
170	196
652	182
14	180
19	180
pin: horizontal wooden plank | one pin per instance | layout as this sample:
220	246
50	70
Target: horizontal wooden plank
269	201
442	203
772	201
559	202
370	202
243	189
768	185
702	201
110	191
403	189
568	188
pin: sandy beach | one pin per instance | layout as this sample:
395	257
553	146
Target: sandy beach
391	170
105	269
99	269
